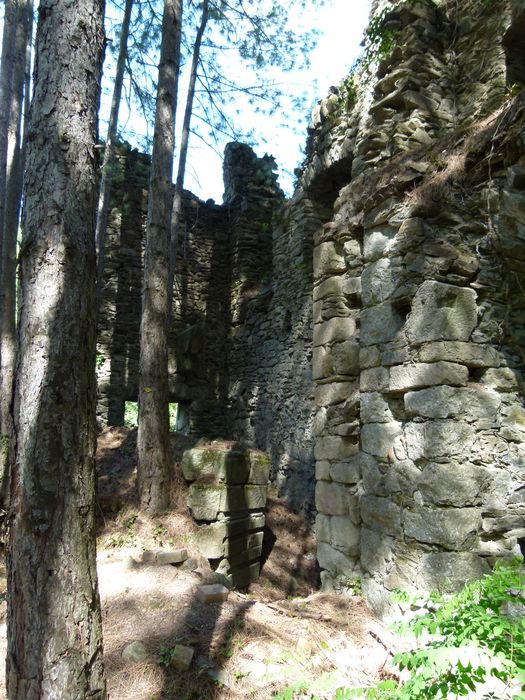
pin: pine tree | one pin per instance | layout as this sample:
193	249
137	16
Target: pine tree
54	621
154	460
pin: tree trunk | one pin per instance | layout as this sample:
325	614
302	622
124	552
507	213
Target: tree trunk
176	213
154	459
109	151
6	82
54	622
14	173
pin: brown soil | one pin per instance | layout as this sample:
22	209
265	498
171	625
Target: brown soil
279	633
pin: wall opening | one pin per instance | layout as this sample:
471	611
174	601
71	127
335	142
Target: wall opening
131	415
514	48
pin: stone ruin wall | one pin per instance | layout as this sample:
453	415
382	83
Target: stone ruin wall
371	330
240	341
418	308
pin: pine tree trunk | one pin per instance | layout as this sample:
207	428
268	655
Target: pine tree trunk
14	173
54	622
109	151
176	213
154	459
6	82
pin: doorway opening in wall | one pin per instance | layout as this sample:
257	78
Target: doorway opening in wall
131	415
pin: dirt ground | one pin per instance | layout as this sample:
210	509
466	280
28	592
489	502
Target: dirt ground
281	633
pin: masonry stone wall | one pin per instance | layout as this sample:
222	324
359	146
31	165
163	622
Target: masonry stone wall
367	334
419	449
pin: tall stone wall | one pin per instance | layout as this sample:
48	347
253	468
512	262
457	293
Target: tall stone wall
418	311
368	334
269	356
240	336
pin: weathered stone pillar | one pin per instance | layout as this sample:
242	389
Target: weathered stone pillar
228	491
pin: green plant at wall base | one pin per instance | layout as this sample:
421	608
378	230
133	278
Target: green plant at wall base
465	639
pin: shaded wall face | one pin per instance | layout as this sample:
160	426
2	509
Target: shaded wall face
200	323
119	316
418	320
270	400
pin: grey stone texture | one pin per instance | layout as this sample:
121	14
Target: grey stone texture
439	326
228	494
368	333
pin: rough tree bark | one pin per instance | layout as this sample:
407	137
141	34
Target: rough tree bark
6	82
54	622
154	459
176	213
13	196
109	151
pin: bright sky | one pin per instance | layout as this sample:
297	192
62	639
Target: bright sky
342	23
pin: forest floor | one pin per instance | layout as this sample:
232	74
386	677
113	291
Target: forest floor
279	634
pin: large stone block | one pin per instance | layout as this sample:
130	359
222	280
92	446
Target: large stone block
347	471
343	286
378	438
232	467
469	354
333	393
335	330
380	324
378	241
382	515
345	358
328	259
471	403
441	312
452	528
335	447
379	280
207	501
345	535
333	560
322	528
322	366
416	376
335	499
376	551
438	438
375	409
374	379
502	378
415	569
459	484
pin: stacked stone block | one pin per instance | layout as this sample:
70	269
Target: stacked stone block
227	496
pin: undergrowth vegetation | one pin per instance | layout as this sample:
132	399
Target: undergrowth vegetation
468	644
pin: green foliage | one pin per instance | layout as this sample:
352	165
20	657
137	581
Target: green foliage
131	415
378	41
126	538
464	640
165	656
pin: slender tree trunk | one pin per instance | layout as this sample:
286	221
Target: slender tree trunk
6	83
15	168
176	213
109	151
154	459
54	622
